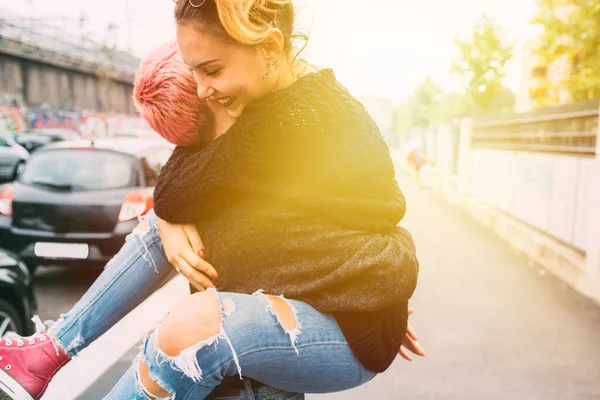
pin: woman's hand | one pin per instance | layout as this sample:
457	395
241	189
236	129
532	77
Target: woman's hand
411	342
185	252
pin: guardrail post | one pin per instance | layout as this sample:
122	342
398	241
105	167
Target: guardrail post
464	158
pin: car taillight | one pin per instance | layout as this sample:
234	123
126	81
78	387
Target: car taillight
6	199
135	205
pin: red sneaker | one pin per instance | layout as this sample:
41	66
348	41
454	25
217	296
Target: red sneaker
27	364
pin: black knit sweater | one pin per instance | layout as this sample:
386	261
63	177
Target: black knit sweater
299	198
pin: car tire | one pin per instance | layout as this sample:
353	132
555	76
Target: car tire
19	170
8	311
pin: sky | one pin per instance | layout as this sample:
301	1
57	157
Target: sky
376	47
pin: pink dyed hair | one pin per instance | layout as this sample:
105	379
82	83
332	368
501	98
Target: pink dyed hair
164	93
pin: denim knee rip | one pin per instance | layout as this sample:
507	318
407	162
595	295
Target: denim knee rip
292	333
187	362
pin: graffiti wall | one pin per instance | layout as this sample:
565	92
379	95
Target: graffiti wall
39	118
12	119
19	119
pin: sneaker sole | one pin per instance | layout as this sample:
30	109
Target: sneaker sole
10	389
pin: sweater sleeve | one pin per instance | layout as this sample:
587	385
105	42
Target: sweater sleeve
190	178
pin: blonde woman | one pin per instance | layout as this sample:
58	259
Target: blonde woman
297	199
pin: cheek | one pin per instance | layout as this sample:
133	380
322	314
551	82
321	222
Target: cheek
247	78
242	87
254	86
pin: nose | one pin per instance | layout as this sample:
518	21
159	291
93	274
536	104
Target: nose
205	91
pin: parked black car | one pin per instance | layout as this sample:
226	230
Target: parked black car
77	201
33	139
17	299
12	158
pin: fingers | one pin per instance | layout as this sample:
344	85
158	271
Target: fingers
411	332
409	329
195	241
193	260
196	278
413	346
194	269
405	355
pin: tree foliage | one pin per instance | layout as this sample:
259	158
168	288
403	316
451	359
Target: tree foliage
428	105
571	33
482	64
420	108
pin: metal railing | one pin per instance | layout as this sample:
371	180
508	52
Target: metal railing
565	130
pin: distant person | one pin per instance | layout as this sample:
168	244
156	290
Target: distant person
416	160
297	198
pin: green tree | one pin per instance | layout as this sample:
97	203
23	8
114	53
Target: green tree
572	32
482	64
420	109
428	105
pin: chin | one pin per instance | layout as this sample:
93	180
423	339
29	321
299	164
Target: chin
235	112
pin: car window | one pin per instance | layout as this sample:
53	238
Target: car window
80	170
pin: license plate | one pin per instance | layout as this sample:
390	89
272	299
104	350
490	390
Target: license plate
78	251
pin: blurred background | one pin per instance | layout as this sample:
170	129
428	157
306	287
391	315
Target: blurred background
490	109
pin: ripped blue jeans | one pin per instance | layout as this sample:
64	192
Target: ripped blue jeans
313	358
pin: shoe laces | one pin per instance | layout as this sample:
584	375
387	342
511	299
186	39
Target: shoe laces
40	334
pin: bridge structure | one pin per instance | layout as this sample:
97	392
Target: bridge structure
40	66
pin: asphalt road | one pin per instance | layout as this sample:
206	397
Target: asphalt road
58	288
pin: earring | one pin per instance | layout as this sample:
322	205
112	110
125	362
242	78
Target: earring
274	64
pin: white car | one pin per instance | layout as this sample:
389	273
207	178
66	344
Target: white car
12	158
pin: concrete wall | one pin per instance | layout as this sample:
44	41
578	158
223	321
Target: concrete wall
32	83
546	191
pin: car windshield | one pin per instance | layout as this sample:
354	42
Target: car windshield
80	170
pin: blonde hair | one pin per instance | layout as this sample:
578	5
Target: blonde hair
246	22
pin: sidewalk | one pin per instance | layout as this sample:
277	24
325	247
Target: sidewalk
493	324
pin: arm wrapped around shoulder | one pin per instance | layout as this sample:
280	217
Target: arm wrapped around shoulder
191	182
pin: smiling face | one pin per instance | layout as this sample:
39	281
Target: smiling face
225	72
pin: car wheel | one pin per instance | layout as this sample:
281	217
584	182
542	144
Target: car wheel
19	170
9	319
